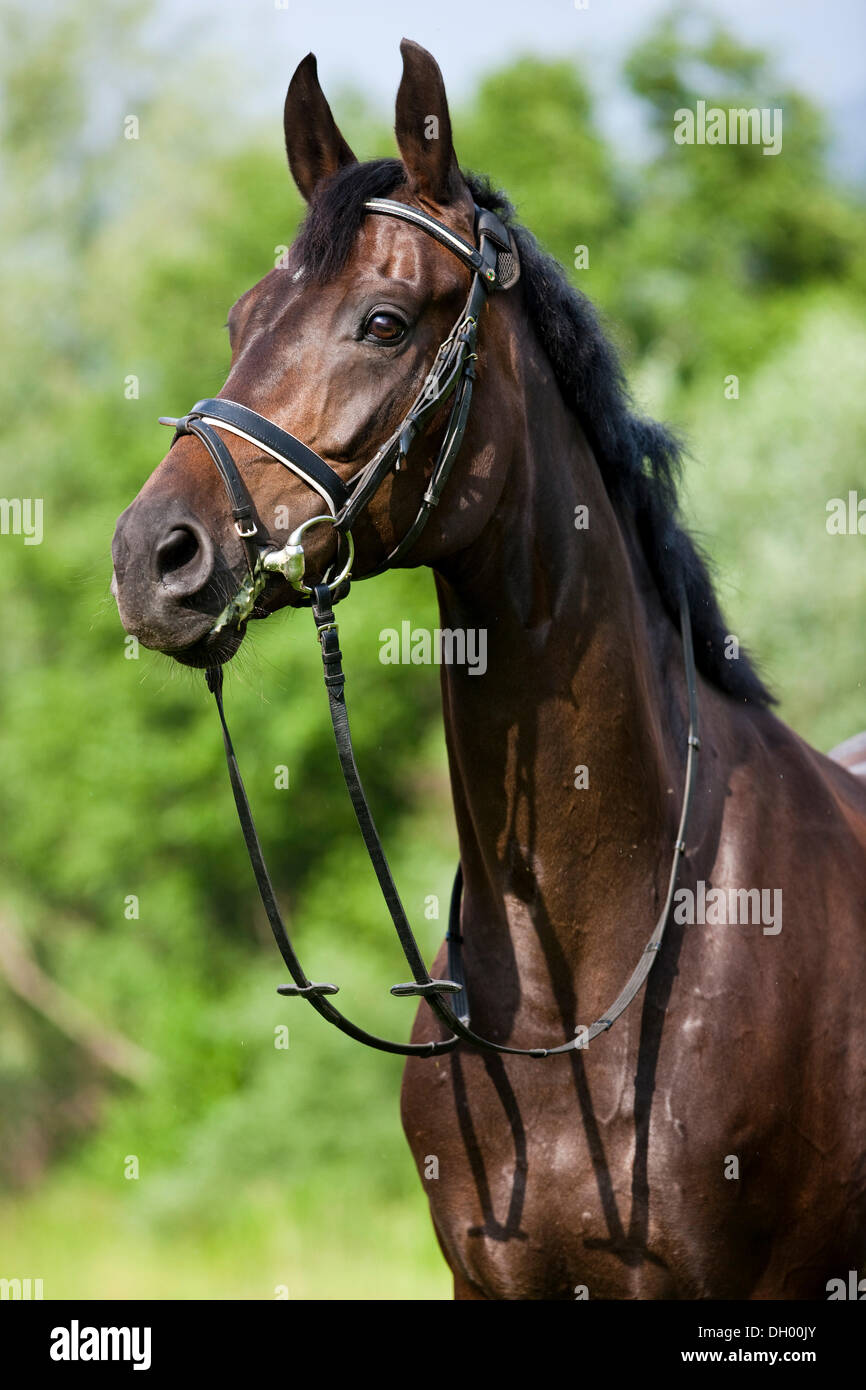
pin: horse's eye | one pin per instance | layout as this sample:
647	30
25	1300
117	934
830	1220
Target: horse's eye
384	328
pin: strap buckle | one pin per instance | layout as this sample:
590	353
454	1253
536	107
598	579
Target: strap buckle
426	988
304	991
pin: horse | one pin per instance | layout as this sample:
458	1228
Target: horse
712	1142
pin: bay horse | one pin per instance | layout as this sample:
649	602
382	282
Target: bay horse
711	1144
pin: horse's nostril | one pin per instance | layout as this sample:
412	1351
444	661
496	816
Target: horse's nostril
184	559
178	548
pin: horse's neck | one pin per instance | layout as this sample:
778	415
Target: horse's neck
584	671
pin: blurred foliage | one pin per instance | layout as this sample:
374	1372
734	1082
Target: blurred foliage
260	1166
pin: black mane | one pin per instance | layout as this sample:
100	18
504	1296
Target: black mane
640	460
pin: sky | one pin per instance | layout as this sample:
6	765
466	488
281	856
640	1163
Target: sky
819	45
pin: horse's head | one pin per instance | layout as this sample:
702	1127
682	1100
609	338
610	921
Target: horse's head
332	347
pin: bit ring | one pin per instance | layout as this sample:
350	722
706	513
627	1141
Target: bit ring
290	561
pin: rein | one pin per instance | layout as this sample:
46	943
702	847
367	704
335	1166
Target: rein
494	265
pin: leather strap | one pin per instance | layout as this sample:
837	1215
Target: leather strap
464	250
492	236
281	445
436	992
452	372
442	468
243	508
314	993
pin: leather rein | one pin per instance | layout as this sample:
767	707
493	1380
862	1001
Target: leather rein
494	264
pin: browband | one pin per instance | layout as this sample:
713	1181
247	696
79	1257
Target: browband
496	242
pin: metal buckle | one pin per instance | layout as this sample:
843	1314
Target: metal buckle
426	988
304	991
245	535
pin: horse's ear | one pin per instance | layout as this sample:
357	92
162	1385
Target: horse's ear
423	128
315	147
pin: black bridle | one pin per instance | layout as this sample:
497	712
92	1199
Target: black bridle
494	264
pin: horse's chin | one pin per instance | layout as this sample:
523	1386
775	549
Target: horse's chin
214	649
